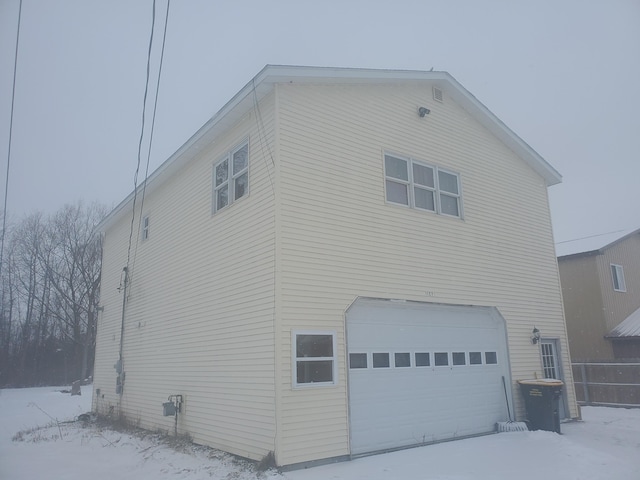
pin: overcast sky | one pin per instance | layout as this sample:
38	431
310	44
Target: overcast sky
563	75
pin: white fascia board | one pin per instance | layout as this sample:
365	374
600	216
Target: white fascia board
504	133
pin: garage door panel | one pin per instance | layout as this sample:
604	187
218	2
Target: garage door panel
395	407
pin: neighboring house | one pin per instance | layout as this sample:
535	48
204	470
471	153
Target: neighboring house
339	262
600	280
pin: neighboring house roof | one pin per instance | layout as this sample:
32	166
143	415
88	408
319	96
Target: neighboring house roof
594	244
629	328
263	83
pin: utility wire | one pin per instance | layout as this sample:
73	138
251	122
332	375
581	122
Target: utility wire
590	236
144	109
13	98
262	135
127	275
153	124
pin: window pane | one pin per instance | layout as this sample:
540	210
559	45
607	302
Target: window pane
441	359
314	371
424	199
222	172
222	197
240	159
397	193
617	272
402	360
380	360
490	358
422	360
475	358
145	228
614	274
449	205
423	175
448	182
459	358
396	168
241	185
314	346
357	360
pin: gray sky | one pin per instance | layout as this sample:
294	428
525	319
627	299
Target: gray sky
564	75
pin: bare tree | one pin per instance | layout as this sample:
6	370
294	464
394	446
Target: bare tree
74	271
50	282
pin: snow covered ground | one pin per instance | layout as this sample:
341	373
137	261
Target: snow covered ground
606	445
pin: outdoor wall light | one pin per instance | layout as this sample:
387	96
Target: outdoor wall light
422	111
536	336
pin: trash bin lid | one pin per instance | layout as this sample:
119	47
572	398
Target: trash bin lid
542	382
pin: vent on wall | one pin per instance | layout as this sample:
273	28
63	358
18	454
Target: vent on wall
437	94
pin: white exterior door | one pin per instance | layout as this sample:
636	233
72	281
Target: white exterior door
420	373
552	368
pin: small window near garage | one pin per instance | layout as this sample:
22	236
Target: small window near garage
357	360
315	358
475	358
459	358
441	359
380	360
422	359
490	358
402	360
617	274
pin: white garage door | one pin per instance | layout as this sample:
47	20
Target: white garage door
420	373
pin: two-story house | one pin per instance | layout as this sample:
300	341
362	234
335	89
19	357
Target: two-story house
600	280
339	262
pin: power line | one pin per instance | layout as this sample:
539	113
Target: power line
591	236
127	273
13	98
144	109
153	124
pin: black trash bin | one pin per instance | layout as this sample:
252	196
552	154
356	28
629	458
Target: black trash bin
542	401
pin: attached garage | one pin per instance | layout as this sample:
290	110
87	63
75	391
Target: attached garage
421	373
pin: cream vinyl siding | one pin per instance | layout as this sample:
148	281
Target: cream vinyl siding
200	316
341	240
108	325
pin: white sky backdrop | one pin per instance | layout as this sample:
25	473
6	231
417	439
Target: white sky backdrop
564	75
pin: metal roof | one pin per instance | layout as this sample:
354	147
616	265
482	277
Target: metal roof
594	244
629	328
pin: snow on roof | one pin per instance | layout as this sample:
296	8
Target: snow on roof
591	243
630	327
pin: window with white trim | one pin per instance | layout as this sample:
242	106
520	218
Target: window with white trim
145	228
617	275
422	186
314	358
231	177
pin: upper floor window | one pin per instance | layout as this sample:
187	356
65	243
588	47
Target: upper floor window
145	228
231	177
422	186
617	274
